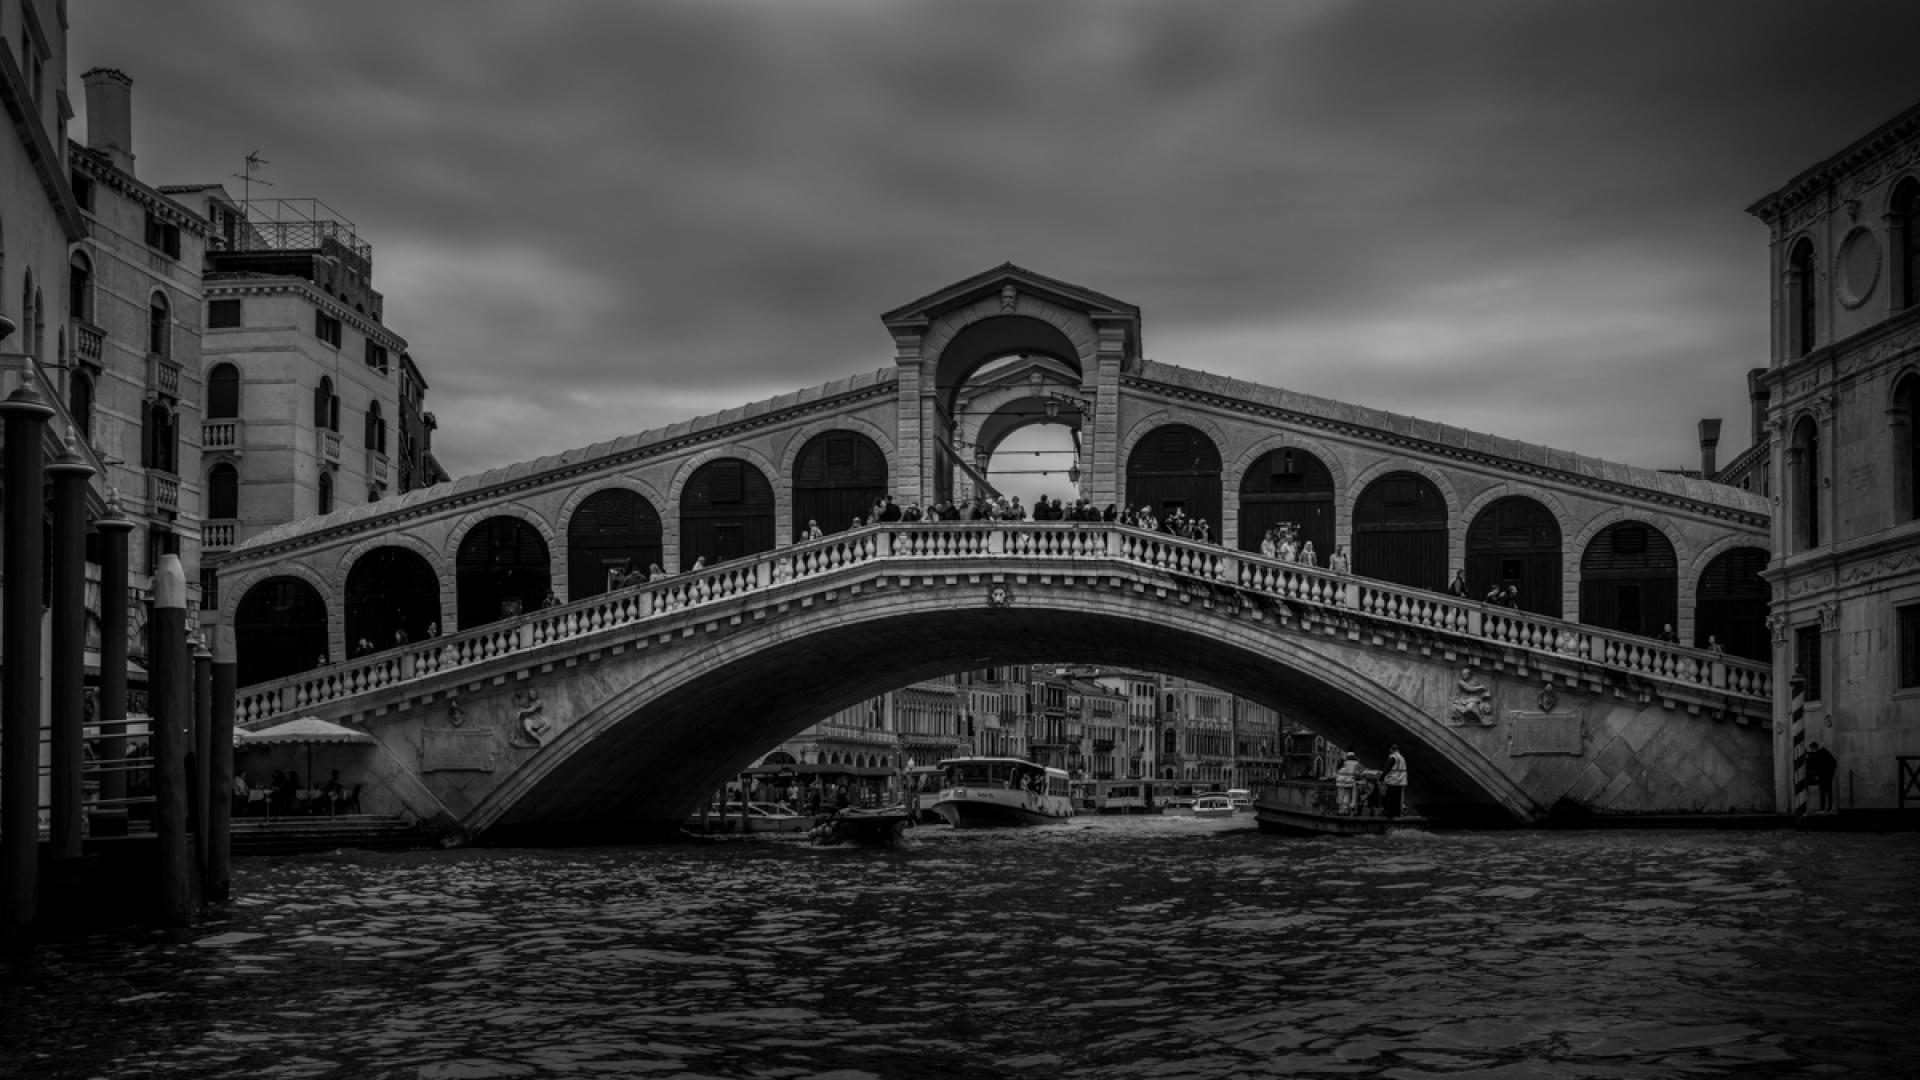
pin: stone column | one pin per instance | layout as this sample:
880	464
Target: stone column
910	442
1108	481
112	713
68	692
25	420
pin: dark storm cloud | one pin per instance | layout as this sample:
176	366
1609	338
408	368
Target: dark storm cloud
591	218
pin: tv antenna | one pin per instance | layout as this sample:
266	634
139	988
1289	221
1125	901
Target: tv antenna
254	162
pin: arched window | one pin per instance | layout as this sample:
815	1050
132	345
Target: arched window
501	570
26	312
837	477
1904	233
612	530
160	327
80	403
391	592
223	392
223	492
726	512
80	288
1803	484
1904	448
159	441
1802	279
326	492
326	406
1176	467
39	328
1730	604
1288	486
1515	543
376	433
280	628
1400	531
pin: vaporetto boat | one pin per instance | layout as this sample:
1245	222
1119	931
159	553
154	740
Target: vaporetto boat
986	792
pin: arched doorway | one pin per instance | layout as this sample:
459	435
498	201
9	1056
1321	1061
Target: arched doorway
279	629
390	590
1288	485
1400	532
501	570
1515	542
612	530
1176	467
726	512
1730	603
836	478
1630	580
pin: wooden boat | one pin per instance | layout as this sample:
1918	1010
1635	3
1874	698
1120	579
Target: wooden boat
985	792
873	828
1311	808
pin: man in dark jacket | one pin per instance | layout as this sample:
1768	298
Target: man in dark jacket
1821	765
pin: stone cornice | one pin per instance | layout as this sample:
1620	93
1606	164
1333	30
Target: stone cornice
103	172
219	285
1844	361
431	503
40	150
1365	433
1874	146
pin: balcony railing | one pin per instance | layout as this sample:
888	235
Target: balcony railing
163	492
376	466
163	375
1074	547
88	342
218	535
220	435
327	444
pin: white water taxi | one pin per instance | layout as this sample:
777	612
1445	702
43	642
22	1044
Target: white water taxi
980	792
1213	805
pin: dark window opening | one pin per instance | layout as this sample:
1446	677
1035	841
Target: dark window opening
1909	619
223	314
1806	658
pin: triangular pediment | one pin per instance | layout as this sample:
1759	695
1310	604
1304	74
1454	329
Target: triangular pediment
991	282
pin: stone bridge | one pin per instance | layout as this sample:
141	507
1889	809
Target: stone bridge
1605	552
616	715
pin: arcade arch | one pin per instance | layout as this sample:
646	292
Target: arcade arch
1514	542
279	629
390	592
1730	604
1176	467
837	477
726	512
1400	531
1292	485
502	568
613	530
1630	580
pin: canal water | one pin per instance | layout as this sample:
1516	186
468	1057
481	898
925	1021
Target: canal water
1102	948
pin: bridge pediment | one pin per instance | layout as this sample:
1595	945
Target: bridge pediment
991	286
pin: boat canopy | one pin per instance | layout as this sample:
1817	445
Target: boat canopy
995	772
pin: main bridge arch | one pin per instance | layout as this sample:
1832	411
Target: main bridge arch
626	708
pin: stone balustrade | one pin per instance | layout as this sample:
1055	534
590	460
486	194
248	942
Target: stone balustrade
218	535
163	375
163	492
219	434
1023	548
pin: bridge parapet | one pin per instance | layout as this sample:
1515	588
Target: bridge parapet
1071	546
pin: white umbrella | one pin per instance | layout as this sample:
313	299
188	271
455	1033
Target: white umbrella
307	730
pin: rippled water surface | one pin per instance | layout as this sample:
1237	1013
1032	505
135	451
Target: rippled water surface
1103	948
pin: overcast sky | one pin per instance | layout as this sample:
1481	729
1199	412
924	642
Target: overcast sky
588	219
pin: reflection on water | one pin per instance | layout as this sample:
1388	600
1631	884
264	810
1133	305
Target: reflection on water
1103	948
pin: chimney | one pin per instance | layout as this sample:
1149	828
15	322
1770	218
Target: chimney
1709	442
110	116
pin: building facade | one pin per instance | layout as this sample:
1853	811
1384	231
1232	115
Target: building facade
133	383
1840	391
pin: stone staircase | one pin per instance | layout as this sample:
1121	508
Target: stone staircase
320	832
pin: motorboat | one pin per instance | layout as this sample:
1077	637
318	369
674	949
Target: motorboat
752	817
1312	808
1242	800
988	792
1215	804
873	827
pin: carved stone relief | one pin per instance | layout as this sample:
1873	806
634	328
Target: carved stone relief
1472	704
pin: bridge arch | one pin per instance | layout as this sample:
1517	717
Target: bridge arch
1312	501
281	625
1731	598
1178	465
710	709
958	343
392	595
835	474
1396	534
1545	569
1630	576
728	507
610	524
502	564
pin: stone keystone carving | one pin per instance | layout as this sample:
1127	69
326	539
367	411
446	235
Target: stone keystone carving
1009	298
